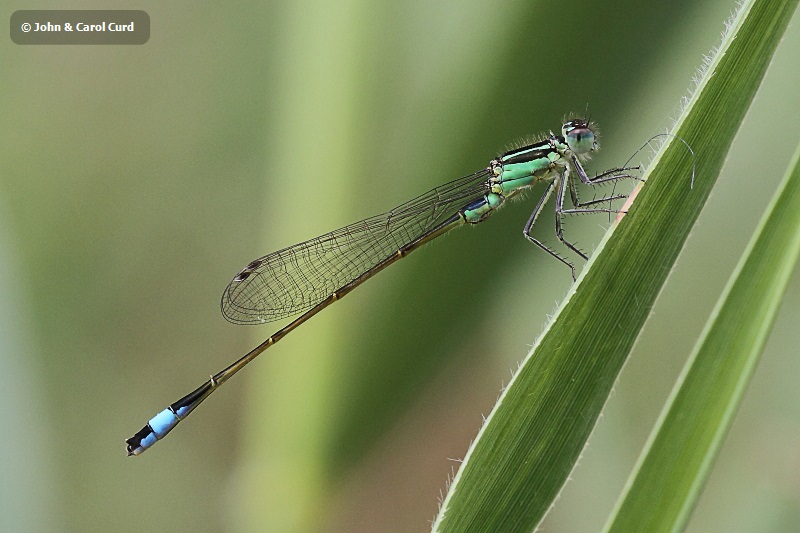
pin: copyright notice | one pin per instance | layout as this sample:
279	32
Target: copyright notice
80	27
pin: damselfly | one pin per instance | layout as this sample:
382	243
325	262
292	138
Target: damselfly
308	277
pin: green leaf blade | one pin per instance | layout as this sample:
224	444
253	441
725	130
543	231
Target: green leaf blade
536	432
676	462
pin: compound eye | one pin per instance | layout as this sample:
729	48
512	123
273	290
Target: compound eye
581	140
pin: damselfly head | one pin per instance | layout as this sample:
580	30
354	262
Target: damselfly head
580	135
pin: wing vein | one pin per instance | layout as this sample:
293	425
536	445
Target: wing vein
295	279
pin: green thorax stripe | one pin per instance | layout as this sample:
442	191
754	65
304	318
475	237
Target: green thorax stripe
522	166
528	153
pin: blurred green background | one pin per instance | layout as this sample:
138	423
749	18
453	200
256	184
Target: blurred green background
135	181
